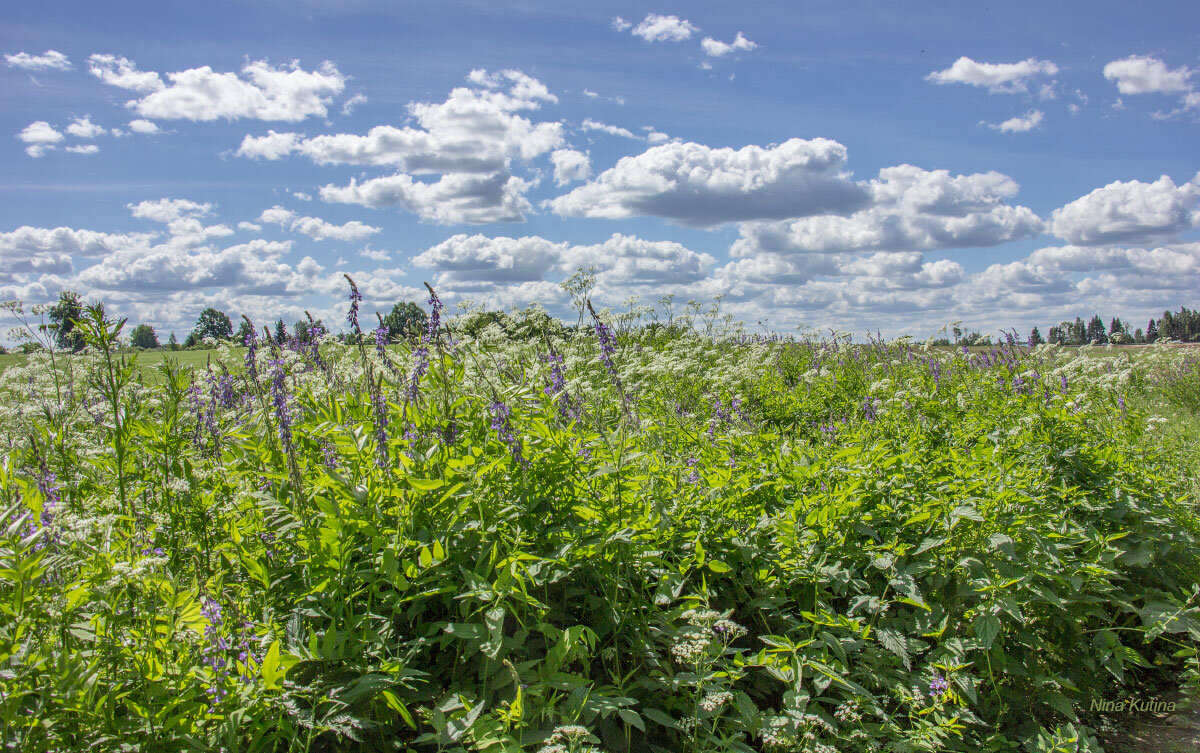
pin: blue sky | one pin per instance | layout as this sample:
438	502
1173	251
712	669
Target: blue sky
856	165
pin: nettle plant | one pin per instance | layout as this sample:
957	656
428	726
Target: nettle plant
676	537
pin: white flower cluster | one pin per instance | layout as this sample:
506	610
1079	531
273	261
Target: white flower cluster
690	646
714	700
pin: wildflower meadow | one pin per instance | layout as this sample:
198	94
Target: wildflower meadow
617	536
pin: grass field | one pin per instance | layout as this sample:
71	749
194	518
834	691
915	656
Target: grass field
662	542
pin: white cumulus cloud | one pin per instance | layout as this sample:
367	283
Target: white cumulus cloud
83	149
1020	123
141	125
84	128
659	28
482	263
1006	78
122	72
570	165
1138	74
39	132
260	91
695	185
716	49
909	209
455	198
470	140
317	228
48	60
1129	212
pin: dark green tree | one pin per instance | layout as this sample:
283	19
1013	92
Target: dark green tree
305	328
1151	332
63	316
281	334
1035	338
244	331
214	324
406	319
143	336
172	341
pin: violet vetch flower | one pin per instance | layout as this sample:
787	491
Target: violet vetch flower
214	651
279	399
379	408
869	410
435	316
355	299
938	685
195	396
329	454
251	360
501	424
693	477
556	388
608	346
420	356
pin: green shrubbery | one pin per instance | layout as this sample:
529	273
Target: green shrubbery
667	542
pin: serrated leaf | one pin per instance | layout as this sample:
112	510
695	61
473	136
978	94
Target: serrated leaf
987	627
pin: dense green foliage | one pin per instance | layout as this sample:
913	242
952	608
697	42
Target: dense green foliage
670	542
143	336
406	319
62	321
212	324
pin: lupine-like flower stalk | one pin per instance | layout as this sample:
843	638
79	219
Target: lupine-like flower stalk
556	388
251	359
420	356
214	652
47	484
195	395
379	407
435	316
355	299
329	455
279	399
501	424
608	346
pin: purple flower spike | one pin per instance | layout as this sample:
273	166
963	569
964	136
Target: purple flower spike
938	685
503	428
355	299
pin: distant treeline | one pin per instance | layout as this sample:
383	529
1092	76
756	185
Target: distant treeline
407	320
1181	326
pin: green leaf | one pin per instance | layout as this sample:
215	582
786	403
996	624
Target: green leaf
395	704
425	484
987	627
718	567
659	717
894	641
270	669
632	718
